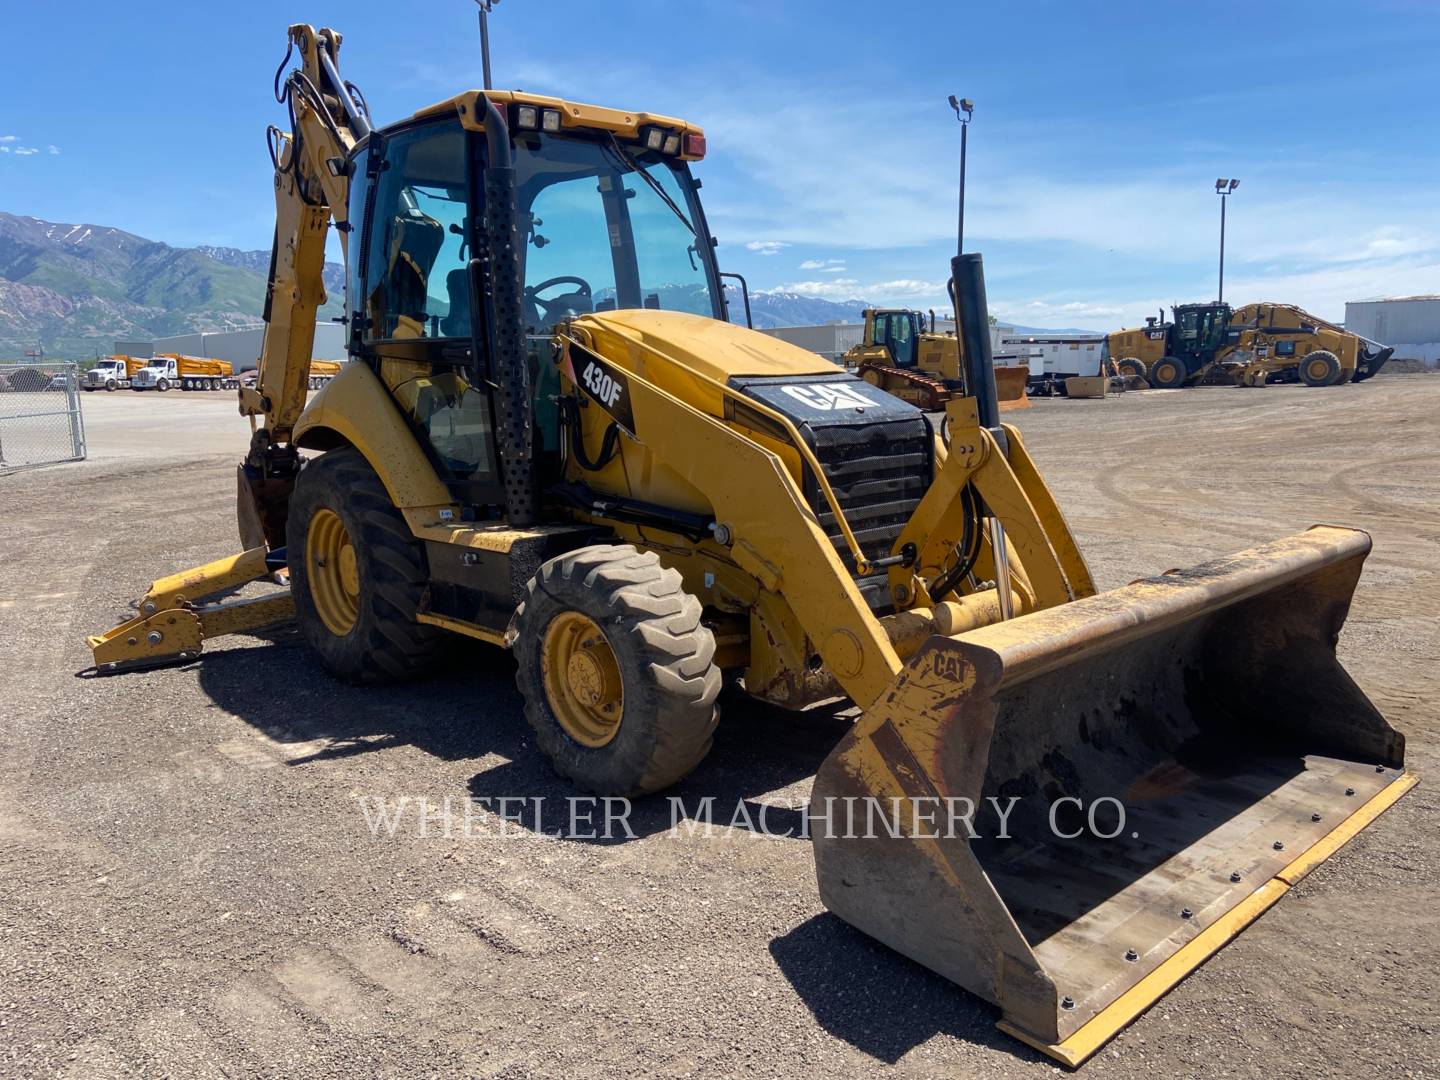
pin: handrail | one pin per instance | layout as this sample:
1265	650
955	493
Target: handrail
863	566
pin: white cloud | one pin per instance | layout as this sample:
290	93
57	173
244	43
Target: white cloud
8	138
1049	311
766	247
25	151
1100	239
828	266
4	149
881	291
838	289
53	149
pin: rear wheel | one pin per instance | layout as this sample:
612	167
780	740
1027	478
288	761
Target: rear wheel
1320	368
357	573
617	670
1133	366
1168	373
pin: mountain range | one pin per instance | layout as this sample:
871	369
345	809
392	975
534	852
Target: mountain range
73	290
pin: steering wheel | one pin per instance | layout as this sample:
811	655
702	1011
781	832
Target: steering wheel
567	303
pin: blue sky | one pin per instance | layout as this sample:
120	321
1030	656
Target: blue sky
1099	131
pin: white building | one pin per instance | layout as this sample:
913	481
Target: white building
240	347
1410	324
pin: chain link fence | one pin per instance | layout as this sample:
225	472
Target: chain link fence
40	421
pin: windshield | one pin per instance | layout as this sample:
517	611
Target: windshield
608	226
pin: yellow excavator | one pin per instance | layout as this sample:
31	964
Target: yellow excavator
549	439
904	357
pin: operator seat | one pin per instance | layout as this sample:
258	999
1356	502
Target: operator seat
457	323
415	240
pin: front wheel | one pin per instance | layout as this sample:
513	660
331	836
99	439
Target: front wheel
357	573
162	385
616	669
1168	373
1133	366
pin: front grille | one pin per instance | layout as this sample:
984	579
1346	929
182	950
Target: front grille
877	453
879	474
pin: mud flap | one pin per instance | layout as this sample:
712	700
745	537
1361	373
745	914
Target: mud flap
1150	768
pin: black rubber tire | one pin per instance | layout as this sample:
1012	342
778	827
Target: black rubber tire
1331	376
109	385
666	659
1168	373
386	644
1131	365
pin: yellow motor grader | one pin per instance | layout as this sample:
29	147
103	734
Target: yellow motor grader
1246	346
903	357
548	439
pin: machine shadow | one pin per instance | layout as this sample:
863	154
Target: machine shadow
471	709
758	749
878	1001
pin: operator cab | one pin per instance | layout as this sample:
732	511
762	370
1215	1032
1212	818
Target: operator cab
608	218
899	333
1200	330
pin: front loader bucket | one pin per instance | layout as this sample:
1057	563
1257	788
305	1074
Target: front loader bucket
1207	703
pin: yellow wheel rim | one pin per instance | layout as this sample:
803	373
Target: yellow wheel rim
582	679
1167	373
333	573
1317	369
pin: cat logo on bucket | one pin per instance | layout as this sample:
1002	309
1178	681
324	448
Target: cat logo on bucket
829	397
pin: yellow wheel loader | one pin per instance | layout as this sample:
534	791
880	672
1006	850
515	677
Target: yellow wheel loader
902	357
548	439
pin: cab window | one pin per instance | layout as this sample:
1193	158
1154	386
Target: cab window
416	283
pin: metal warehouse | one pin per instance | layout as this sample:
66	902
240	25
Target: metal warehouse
240	347
1409	323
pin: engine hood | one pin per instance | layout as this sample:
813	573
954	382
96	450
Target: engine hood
716	349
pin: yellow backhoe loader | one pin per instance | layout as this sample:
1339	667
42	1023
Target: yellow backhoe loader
549	439
902	357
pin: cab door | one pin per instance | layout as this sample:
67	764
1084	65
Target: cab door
408	297
896	331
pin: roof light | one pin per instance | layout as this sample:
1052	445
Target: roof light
527	116
550	120
672	143
695	144
654	138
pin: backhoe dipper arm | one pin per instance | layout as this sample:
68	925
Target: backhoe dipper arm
312	185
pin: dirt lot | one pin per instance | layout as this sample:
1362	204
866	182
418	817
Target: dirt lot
189	886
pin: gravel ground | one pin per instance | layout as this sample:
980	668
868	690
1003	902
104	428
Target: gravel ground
190	886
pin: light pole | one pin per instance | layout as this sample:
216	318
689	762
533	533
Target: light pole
1223	188
485	8
965	106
